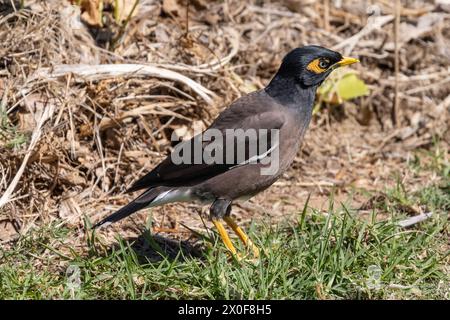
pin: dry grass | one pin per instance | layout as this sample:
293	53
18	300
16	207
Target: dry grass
82	141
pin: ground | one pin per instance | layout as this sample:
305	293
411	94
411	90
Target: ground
333	226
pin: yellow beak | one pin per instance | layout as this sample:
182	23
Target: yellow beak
346	61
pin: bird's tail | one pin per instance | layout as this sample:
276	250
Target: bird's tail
144	200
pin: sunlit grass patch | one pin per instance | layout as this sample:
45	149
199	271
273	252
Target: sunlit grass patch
331	255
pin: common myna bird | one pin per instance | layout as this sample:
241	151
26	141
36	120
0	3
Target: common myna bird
274	119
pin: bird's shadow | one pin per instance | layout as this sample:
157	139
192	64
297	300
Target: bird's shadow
151	248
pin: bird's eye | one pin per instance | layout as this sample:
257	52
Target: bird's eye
318	65
324	64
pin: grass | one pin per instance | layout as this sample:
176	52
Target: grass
10	137
338	254
331	256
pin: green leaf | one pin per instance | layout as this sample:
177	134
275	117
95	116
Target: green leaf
350	86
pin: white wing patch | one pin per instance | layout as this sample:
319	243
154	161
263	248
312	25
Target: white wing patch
255	158
172	195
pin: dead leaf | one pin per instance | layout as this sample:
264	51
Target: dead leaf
443	4
69	210
211	18
199	4
91	12
162	34
171	8
425	25
364	115
7	230
2	87
297	5
31	113
181	132
178	8
184	133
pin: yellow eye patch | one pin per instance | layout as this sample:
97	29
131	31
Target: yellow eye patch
315	67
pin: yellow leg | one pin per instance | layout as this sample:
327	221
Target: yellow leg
224	235
241	234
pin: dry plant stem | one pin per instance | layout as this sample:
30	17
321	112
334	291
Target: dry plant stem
213	66
124	26
48	112
395	115
441	107
187	18
116	11
12	5
100	12
374	24
106	123
326	14
427	87
105	71
416	219
231	34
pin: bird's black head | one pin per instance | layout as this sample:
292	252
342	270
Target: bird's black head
308	66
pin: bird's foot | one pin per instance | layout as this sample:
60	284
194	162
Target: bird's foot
251	255
255	250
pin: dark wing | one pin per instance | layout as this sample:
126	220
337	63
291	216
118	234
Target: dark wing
249	112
